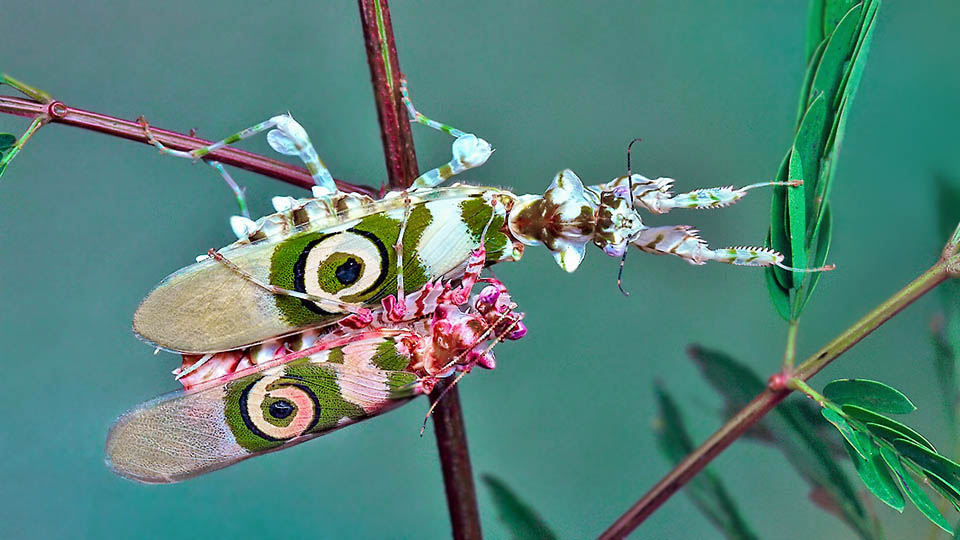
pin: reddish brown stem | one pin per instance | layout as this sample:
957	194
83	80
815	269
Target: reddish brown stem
455	463
385	74
402	170
57	112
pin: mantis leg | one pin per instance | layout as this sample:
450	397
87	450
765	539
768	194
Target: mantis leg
684	242
657	197
469	151
287	137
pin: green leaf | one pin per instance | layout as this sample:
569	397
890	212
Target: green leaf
833	11
808	151
840	47
520	519
949	492
779	295
797	216
7	141
706	489
849	434
885	427
871	395
823	239
814	30
914	492
875	475
779	237
930	461
812	64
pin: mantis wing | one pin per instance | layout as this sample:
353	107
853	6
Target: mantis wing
208	307
184	434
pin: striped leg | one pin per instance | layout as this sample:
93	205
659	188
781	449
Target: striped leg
469	151
683	241
657	197
287	137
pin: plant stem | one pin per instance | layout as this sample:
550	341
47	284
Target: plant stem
455	463
776	392
385	74
58	112
402	169
790	352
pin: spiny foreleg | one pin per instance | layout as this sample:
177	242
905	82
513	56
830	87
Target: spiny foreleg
684	242
657	195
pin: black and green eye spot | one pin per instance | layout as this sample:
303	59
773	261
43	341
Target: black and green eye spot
348	272
339	271
281	409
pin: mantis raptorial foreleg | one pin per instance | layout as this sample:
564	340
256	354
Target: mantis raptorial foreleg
684	242
656	195
469	151
287	137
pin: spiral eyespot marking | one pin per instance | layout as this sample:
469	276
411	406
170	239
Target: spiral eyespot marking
277	408
345	266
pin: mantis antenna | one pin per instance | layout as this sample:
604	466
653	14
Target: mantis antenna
623	258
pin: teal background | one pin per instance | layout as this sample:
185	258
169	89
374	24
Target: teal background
88	224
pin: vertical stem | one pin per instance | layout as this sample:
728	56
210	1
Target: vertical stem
455	463
790	352
401	170
385	74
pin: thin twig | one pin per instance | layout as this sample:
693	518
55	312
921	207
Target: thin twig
776	392
58	112
402	169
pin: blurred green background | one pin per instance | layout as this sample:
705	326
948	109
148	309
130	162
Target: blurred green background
88	224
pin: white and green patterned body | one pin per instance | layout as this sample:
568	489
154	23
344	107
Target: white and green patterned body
347	254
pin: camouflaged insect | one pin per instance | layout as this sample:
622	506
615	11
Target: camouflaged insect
339	307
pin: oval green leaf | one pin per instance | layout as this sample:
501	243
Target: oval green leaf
930	461
886	428
6	142
847	431
871	395
875	475
913	490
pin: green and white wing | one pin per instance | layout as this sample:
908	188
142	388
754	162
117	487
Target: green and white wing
184	434
208	308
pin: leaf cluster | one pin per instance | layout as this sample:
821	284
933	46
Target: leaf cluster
838	39
889	456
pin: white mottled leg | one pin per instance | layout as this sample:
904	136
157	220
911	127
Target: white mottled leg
469	151
396	310
287	137
657	197
683	241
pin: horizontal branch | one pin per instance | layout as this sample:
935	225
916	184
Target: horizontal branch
58	112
